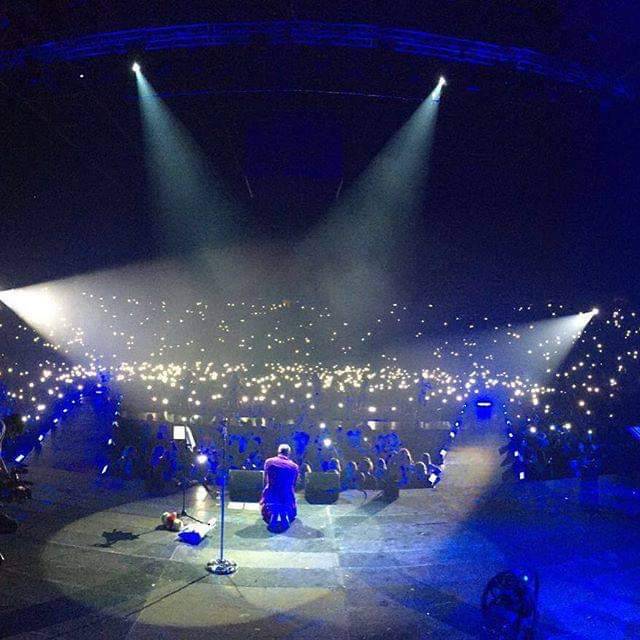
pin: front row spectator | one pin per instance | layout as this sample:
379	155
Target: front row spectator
380	472
351	478
405	467
333	464
302	475
367	471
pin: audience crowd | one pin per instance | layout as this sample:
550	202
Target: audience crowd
145	449
273	363
546	453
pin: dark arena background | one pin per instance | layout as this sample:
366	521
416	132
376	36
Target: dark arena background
400	238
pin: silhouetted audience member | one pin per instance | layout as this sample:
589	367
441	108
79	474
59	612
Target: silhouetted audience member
305	468
333	464
391	484
367	470
421	476
380	473
405	467
351	478
434	472
431	466
129	463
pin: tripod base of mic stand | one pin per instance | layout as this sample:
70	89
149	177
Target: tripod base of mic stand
185	514
222	567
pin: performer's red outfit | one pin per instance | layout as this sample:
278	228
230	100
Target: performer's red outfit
279	496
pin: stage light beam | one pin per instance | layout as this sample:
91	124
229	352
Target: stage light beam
193	205
375	219
135	67
37	305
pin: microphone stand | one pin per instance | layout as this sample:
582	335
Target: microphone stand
222	565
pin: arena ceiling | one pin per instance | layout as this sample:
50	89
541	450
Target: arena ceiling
534	176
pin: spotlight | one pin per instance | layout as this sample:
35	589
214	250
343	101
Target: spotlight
595	311
201	458
327	442
436	94
135	67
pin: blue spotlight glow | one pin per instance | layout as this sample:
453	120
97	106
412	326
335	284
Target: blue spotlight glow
135	67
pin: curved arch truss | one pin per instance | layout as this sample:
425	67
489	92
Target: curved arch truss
359	36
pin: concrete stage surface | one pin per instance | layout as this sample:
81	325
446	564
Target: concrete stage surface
89	561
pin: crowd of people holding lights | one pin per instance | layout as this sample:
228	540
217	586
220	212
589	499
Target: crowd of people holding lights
298	372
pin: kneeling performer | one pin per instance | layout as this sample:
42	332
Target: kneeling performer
278	496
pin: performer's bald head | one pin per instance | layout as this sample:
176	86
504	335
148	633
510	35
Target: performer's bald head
284	449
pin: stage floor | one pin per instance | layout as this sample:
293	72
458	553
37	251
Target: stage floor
89	561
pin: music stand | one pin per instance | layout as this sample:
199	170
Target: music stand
183	434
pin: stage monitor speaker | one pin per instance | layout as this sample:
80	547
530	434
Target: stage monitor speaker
245	486
322	487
